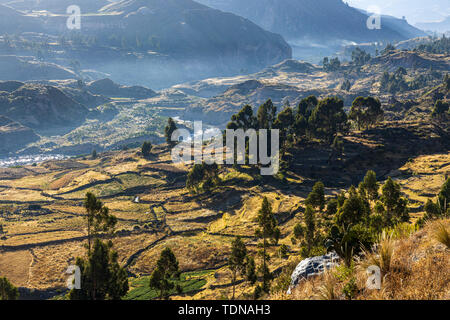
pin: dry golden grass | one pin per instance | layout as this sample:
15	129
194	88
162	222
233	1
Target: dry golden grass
419	269
183	211
443	235
15	266
382	256
194	253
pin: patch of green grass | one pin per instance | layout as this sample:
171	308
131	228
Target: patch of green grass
190	282
130	180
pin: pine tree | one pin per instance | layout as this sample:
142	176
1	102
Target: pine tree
250	270
316	197
267	231
266	115
395	204
167	270
444	198
236	262
441	110
310	228
102	278
370	186
244	119
353	211
98	218
328	119
168	131
146	148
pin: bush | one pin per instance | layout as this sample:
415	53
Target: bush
146	149
7	290
350	289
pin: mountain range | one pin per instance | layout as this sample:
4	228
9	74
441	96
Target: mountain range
316	19
155	42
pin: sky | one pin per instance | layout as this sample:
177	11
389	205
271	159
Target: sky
414	10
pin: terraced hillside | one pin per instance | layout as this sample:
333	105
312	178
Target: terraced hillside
44	230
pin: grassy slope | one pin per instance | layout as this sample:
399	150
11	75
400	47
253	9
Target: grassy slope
199	228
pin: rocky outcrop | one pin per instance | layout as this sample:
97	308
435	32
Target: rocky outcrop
311	267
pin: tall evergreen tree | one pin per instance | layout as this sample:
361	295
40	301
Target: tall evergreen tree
444	198
166	272
98	218
267	230
244	119
369	186
250	270
316	197
146	148
101	275
169	130
328	118
310	228
236	262
395	205
266	115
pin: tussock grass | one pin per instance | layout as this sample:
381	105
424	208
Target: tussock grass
328	290
383	255
443	235
412	268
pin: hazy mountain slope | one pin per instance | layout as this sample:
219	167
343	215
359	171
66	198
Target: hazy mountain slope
158	43
108	88
57	6
12	21
14	136
316	19
414	10
439	26
42	107
27	68
188	29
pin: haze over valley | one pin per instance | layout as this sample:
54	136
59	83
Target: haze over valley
96	107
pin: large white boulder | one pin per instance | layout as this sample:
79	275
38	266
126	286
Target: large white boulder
311	267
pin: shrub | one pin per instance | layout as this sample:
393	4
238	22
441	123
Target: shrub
146	149
350	289
327	291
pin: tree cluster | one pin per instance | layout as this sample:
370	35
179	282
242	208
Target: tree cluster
354	218
203	177
366	112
